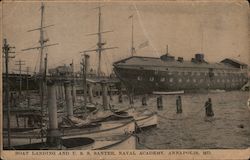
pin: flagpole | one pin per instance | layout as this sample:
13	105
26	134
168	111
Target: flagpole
132	35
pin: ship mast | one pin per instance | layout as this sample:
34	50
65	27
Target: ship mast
41	41
43	66
100	42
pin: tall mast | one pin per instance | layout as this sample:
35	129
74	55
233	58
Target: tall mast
42	69
41	41
100	44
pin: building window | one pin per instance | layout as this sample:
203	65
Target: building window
185	73
180	80
194	80
156	71
198	73
218	80
171	80
139	78
151	79
162	79
188	80
201	80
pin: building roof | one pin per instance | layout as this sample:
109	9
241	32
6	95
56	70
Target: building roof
234	61
136	61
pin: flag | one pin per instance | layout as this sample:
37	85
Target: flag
144	44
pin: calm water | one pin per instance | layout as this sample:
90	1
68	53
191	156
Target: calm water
230	127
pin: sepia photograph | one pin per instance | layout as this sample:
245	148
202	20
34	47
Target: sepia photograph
109	79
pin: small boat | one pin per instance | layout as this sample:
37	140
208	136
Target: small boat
110	128
126	141
217	91
168	93
144	118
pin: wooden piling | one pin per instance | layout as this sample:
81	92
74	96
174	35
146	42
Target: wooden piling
68	98
53	135
90	93
104	95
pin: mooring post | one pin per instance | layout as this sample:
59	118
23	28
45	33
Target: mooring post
90	93
73	92
68	98
53	136
144	100
178	105
159	103
104	95
208	108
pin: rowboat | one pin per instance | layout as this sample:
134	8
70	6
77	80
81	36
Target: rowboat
143	118
168	93
107	129
121	142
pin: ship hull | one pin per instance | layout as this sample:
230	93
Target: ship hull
146	81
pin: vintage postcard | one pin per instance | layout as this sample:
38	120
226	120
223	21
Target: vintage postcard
125	80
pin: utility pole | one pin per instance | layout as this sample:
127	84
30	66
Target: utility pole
45	69
73	83
20	63
6	51
27	81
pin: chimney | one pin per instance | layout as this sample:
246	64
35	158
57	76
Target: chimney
180	59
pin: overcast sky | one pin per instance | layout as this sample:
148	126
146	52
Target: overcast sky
218	29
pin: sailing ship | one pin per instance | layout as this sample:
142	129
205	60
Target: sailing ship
116	133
